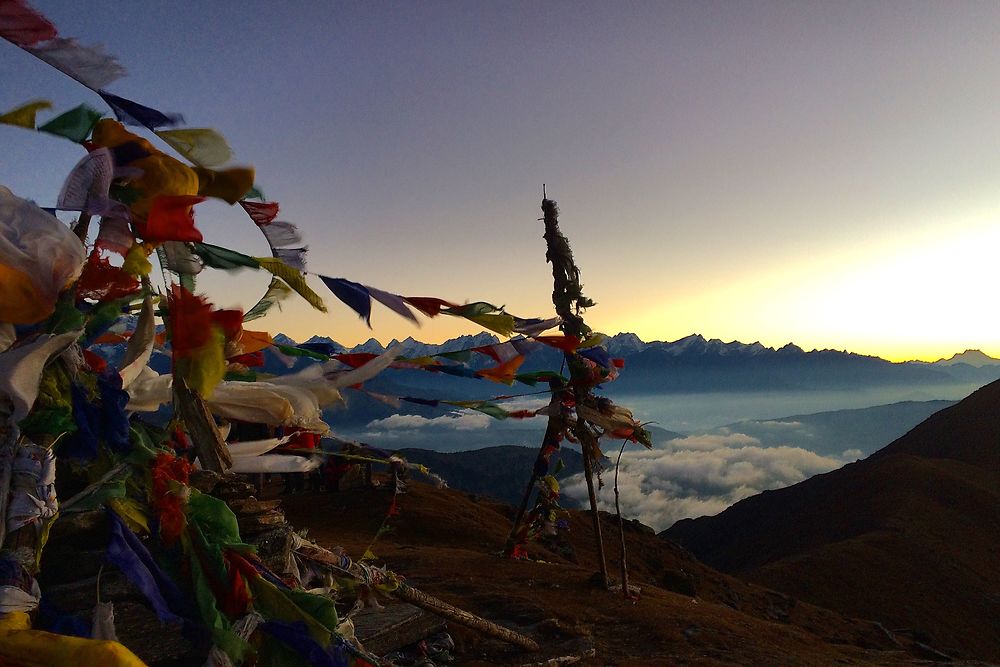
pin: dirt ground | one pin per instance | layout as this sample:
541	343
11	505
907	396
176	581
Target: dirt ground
447	543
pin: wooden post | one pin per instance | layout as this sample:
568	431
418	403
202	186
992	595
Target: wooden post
621	528
208	444
553	431
569	301
418	598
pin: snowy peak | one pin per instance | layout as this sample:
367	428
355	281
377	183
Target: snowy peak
975	358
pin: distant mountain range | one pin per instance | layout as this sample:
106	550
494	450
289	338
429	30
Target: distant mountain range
696	364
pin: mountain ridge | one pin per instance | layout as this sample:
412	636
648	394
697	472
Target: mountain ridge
906	536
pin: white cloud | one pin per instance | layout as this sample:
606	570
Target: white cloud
464	421
700	475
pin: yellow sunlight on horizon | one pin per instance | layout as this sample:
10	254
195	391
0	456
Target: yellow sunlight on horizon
923	296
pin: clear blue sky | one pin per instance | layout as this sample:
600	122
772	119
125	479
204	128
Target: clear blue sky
825	173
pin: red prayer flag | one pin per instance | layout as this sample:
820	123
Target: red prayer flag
262	213
564	343
230	321
22	25
171	218
355	360
101	281
428	305
190	321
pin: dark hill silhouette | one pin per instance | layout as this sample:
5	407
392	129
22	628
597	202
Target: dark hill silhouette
909	537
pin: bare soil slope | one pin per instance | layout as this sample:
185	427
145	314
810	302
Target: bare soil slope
447	544
909	537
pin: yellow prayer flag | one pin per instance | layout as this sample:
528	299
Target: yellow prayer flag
293	278
24	115
202	146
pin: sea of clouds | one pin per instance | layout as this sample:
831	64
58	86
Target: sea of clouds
700	475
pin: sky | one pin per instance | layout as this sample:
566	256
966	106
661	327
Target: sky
820	173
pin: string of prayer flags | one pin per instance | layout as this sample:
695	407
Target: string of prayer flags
90	65
75	125
138	115
24	115
217	257
276	292
262	213
23	26
353	294
202	146
293	279
171	218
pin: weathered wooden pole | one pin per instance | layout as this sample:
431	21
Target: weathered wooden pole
550	442
208	443
407	593
569	301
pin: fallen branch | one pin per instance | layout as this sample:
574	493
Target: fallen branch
418	598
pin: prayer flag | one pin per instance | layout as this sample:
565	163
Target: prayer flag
279	233
202	146
393	302
39	257
229	185
293	257
74	125
428	305
294	279
262	213
23	26
171	218
218	257
90	65
353	294
276	291
138	115
24	115
504	373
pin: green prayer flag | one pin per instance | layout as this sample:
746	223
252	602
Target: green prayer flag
74	125
218	257
293	351
276	291
491	409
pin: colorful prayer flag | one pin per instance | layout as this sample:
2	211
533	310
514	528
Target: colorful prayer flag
353	294
276	292
23	26
138	115
24	115
171	218
74	125
90	65
294	279
202	146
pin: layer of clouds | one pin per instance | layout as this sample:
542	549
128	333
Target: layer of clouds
699	475
460	421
